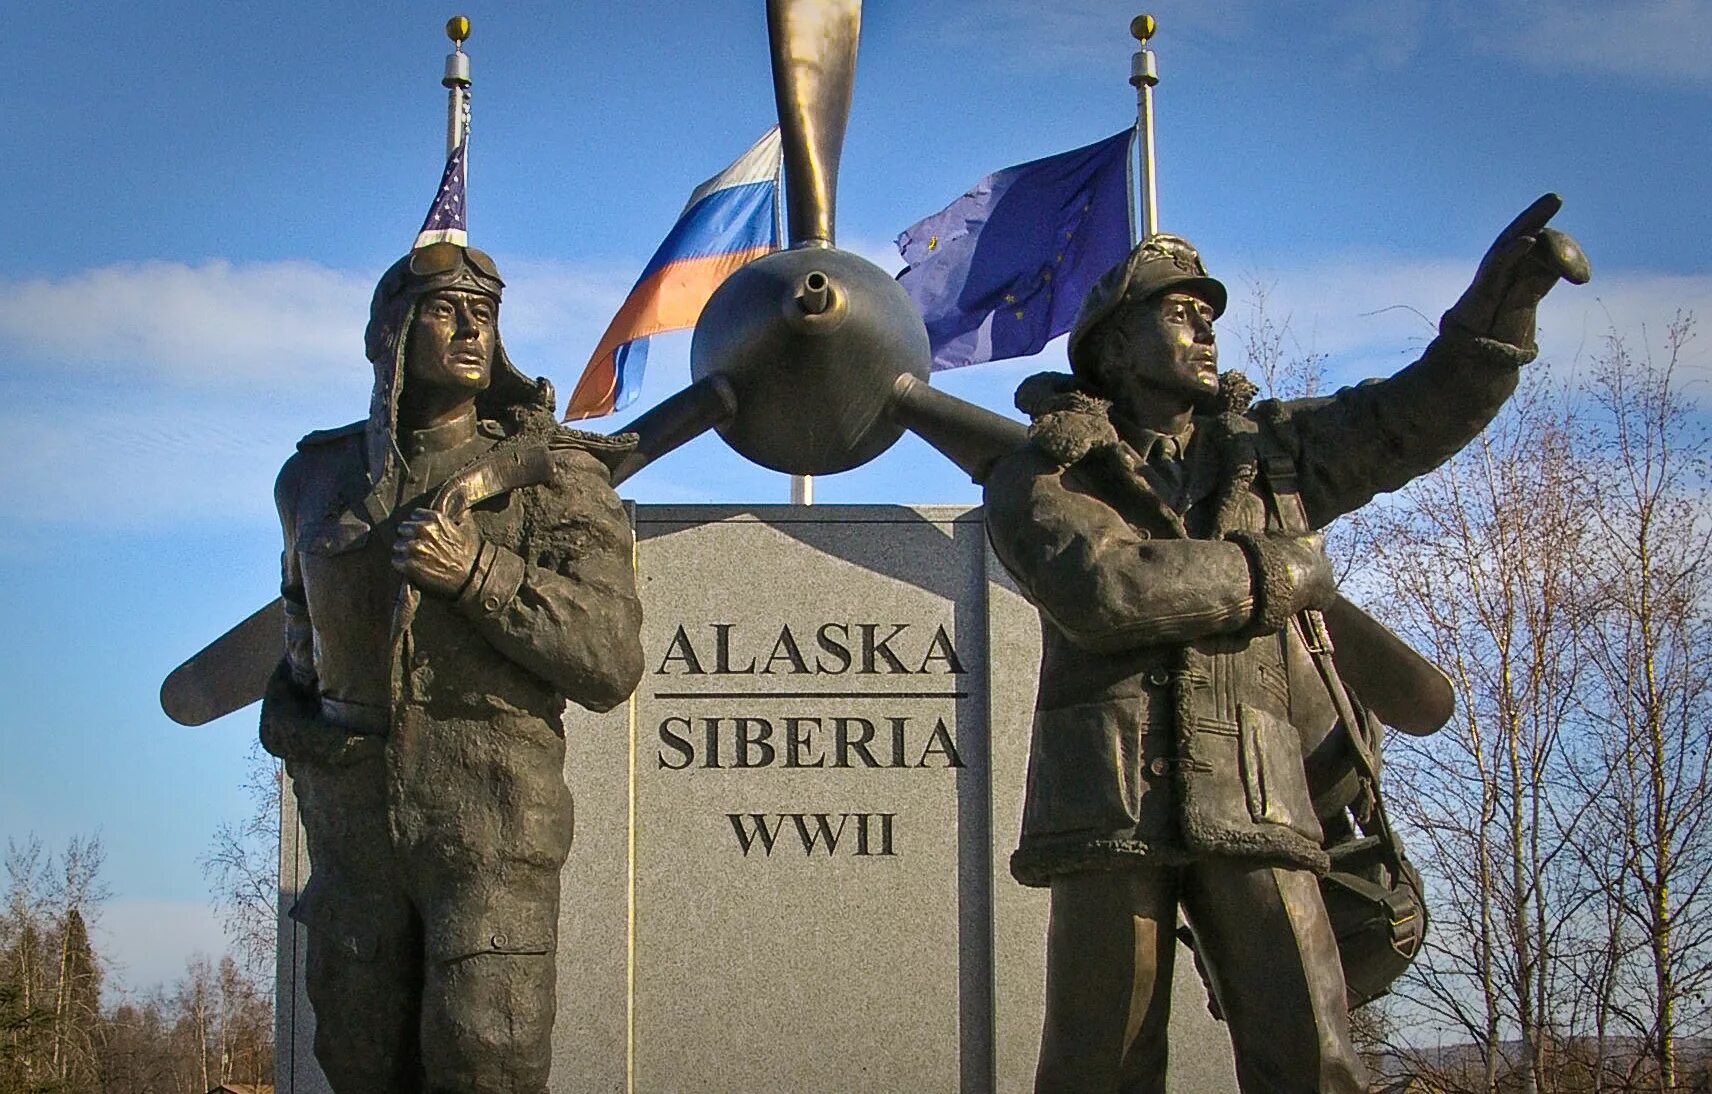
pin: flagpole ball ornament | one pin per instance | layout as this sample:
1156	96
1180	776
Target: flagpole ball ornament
457	62
1143	66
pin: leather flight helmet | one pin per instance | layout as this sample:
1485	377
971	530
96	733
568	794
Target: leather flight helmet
438	267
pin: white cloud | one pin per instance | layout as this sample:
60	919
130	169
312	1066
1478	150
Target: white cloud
213	324
881	252
160	461
558	311
1082	33
198	416
1371	313
1637	41
1077	32
147	394
147	942
280	325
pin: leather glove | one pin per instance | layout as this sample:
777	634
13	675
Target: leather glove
1309	583
436	552
1290	573
1520	267
292	728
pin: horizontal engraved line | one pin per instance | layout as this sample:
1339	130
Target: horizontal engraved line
811	695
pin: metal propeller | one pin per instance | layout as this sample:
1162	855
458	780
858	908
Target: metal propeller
809	361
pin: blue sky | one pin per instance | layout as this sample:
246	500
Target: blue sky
201	197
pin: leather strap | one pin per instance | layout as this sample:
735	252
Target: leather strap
1279	470
501	471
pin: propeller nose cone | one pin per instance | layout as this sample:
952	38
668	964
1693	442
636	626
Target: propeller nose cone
812	341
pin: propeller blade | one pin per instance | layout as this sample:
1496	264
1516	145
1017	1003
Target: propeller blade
1407	691
676	421
814	74
970	436
230	672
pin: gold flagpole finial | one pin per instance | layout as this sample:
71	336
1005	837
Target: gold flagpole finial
1143	27
458	30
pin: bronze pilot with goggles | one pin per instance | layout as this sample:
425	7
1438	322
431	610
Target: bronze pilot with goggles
456	567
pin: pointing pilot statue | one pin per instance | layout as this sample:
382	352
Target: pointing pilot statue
1168	532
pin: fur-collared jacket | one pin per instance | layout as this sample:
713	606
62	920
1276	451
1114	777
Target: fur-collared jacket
1180	713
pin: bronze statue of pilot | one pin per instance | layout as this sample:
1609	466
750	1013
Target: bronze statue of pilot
456	567
1167	531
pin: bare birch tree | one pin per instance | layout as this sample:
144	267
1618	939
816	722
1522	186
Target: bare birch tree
1469	562
1650	695
242	868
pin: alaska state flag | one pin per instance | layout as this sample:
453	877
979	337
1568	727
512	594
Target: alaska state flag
1002	270
729	221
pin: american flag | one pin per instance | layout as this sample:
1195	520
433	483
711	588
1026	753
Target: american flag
448	217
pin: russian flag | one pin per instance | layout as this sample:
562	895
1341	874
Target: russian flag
730	220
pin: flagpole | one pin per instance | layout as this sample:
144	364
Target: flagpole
802	486
1143	74
457	85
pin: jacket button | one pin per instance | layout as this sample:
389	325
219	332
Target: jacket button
1159	678
1143	533
491	603
499	941
1160	765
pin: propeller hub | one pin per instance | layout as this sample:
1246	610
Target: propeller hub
812	341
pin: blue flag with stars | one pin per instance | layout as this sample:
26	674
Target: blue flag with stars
1002	270
447	220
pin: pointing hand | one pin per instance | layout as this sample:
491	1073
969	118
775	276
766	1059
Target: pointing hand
1521	266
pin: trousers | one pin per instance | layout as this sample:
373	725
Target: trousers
1270	955
395	1012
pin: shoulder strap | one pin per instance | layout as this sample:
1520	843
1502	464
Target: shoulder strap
1279	470
502	470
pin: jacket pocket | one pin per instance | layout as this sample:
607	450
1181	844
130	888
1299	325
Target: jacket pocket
1274	781
1084	768
519	928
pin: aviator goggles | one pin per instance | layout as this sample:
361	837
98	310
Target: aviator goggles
440	258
